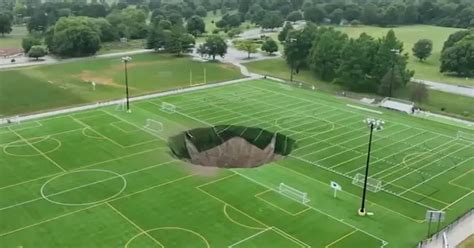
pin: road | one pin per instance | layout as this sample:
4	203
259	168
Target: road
449	88
48	60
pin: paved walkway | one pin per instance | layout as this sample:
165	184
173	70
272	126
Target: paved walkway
23	61
450	88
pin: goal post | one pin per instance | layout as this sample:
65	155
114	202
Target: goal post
293	193
153	125
120	105
465	136
168	107
373	184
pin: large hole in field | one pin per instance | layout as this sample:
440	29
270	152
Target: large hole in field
230	146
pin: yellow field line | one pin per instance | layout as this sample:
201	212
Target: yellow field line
39	151
456	178
134	224
341	238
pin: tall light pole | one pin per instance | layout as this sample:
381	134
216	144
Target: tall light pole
395	52
292	40
376	125
125	61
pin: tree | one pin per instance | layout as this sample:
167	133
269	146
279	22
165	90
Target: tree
271	20
422	49
325	55
214	45
196	26
294	16
284	32
30	41
5	23
391	81
37	52
201	11
247	46
354	73
336	16
419	93
298	45
459	58
229	21
74	37
370	14
270	46
158	37
244	6
456	37
179	41
314	14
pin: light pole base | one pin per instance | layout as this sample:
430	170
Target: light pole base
129	111
361	212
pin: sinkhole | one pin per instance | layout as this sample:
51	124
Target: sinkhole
229	146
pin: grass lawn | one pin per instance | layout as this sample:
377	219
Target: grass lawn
13	39
429	69
459	106
53	86
100	179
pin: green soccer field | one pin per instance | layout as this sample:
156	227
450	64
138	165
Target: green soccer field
101	178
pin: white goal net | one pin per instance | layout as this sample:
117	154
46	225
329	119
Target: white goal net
168	107
121	105
153	125
465	136
373	184
293	193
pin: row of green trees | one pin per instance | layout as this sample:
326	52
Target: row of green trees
364	64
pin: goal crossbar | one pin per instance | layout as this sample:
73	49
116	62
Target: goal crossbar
373	184
293	193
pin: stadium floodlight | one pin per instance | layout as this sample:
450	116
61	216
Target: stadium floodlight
376	125
292	40
125	61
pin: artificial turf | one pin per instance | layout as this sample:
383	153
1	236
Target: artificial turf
100	179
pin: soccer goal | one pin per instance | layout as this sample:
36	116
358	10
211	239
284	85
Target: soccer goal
373	184
293	193
153	125
121	105
465	136
168	107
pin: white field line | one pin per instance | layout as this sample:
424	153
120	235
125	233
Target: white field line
82	167
250	237
39	151
85	185
310	162
390	155
350	178
433	177
341	152
313	208
428	164
349	140
412	158
341	109
364	109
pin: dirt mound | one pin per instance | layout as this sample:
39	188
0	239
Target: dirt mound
230	146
